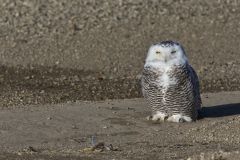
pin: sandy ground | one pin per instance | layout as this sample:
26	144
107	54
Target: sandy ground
56	54
109	40
67	130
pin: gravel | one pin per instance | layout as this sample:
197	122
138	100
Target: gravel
59	51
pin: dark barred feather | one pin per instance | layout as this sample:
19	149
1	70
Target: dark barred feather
180	98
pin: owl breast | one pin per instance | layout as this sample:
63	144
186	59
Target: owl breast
164	81
169	89
165	78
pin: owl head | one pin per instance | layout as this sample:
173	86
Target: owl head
166	53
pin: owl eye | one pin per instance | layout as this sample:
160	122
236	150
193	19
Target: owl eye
158	52
173	52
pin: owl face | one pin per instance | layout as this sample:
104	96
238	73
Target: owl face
166	52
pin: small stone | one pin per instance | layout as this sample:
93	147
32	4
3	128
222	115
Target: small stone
76	78
42	91
27	77
139	76
19	153
74	127
29	149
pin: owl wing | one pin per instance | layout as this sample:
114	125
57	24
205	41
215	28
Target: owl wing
196	87
151	91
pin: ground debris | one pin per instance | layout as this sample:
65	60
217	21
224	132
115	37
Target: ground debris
218	155
99	147
27	150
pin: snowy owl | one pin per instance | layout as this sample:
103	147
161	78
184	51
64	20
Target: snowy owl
169	84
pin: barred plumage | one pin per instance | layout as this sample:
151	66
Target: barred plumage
169	84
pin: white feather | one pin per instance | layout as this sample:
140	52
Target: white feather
164	62
164	80
164	59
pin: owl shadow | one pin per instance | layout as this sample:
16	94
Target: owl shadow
220	110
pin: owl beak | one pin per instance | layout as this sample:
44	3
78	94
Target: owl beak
165	59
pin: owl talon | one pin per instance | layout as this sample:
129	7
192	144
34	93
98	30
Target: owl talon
149	118
159	117
181	120
165	118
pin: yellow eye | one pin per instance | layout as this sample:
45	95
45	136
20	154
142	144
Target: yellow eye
158	52
173	52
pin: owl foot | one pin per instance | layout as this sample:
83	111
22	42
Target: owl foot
158	116
179	118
